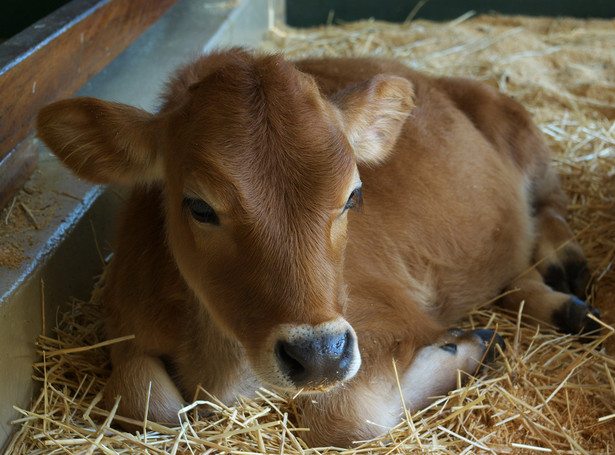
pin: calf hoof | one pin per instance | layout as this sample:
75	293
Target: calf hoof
578	277
570	277
573	317
451	348
490	340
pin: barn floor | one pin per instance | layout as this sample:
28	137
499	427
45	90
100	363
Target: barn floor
547	393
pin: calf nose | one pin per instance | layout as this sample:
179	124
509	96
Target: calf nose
318	360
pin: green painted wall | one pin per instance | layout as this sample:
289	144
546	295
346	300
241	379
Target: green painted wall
16	15
305	13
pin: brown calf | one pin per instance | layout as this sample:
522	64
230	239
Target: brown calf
240	259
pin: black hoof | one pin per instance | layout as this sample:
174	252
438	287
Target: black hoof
574	318
570	278
555	278
578	277
490	340
451	348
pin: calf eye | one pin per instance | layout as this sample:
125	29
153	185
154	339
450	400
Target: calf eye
355	201
201	211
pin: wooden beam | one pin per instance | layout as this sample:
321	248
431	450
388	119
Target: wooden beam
53	59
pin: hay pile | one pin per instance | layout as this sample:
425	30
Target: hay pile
547	393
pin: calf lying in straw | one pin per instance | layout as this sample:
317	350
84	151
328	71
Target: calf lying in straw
305	226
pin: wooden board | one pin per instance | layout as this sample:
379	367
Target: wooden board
54	58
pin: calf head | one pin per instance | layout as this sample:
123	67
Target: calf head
258	172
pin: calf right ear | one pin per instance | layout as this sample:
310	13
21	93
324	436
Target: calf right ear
374	113
102	141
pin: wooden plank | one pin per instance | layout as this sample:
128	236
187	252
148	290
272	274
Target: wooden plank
15	169
53	59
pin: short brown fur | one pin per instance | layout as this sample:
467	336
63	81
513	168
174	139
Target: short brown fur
459	200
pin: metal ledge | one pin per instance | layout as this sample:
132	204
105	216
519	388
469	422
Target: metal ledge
64	253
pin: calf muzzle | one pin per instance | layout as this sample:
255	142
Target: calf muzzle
318	358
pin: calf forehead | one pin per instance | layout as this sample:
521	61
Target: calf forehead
257	130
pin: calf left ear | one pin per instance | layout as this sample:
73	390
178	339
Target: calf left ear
102	141
374	113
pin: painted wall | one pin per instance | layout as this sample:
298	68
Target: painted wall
305	13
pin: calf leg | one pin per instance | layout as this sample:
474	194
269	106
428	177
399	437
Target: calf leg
555	289
433	371
365	407
559	258
542	303
131	378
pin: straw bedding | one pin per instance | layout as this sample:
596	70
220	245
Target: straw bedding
547	393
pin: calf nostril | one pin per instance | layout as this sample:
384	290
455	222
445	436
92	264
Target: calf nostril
346	350
289	360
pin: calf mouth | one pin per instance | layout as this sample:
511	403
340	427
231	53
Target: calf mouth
321	388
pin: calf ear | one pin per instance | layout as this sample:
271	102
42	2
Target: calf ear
374	113
102	141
